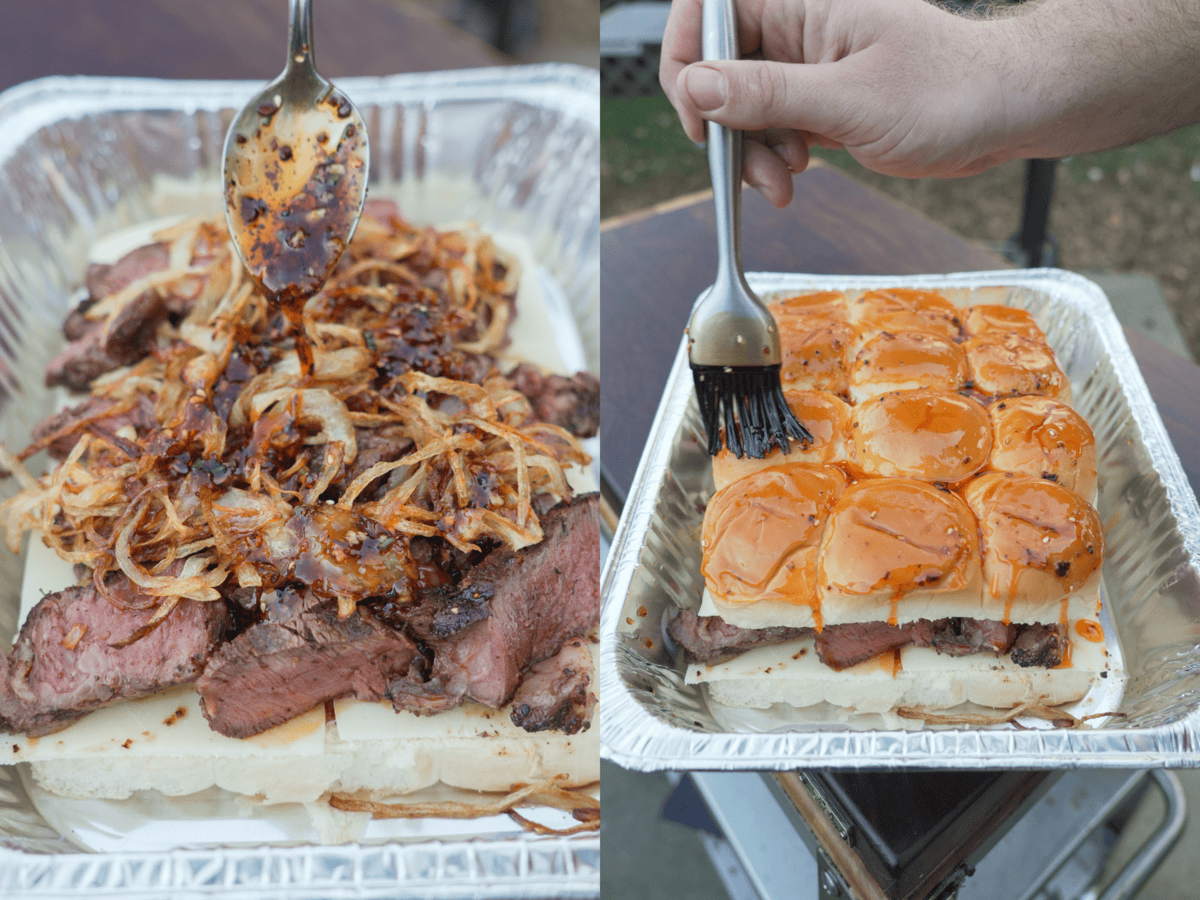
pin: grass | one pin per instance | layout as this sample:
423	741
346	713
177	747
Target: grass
648	158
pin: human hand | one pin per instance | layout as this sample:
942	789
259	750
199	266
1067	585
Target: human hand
907	88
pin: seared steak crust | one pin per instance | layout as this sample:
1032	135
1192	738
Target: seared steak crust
510	611
71	656
554	692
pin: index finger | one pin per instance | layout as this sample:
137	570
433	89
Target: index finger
681	47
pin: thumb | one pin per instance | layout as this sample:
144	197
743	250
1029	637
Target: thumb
756	94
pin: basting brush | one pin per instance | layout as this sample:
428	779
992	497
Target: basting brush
733	344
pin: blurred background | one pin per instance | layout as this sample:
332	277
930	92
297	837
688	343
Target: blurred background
1129	218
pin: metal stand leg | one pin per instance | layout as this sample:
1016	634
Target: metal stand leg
1033	246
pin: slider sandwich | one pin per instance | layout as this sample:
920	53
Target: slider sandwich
936	544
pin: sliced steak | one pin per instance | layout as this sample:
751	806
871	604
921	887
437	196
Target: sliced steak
103	280
842	646
69	658
60	431
376	445
81	361
710	639
963	637
295	660
571	403
554	693
1039	645
510	611
100	346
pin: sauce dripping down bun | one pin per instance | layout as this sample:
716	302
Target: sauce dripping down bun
761	533
1040	541
889	538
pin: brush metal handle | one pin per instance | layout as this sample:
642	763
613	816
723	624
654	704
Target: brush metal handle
730	326
719	41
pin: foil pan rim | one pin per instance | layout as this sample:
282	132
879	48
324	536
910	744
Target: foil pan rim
635	739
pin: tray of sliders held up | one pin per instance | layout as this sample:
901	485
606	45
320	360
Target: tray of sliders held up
1137	654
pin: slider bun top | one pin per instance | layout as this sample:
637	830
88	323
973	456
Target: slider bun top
898	540
925	434
986	318
817	353
1003	365
905	309
825	304
1044	438
760	533
1041	541
827	418
906	360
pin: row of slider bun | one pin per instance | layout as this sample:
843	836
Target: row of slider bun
935	436
804	546
887	340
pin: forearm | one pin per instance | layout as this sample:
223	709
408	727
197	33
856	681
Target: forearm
1086	75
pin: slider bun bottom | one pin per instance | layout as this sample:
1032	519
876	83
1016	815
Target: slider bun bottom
381	769
791	674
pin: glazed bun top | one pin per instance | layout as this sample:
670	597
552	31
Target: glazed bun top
761	533
1005	365
895	535
1040	540
1044	438
823	304
817	353
906	360
990	318
904	309
925	434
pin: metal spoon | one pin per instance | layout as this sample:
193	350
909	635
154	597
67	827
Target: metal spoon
295	173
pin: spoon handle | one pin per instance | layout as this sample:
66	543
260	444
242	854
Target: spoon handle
300	46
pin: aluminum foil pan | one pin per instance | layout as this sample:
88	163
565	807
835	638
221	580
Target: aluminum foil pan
1151	580
513	149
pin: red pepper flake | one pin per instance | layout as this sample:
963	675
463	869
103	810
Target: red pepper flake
128	743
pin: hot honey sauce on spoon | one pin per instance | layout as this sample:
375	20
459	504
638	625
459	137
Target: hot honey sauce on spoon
295	174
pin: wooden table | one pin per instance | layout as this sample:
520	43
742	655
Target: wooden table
654	264
235	39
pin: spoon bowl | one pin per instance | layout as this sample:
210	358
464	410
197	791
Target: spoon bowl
295	171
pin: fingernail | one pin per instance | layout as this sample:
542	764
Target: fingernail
706	87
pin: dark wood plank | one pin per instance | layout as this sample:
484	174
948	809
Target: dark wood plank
243	39
653	268
1174	382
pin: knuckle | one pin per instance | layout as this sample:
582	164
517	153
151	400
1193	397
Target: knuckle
767	91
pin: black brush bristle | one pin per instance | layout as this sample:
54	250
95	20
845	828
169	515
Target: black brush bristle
746	405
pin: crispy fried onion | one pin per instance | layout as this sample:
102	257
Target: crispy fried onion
1030	709
579	802
219	416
